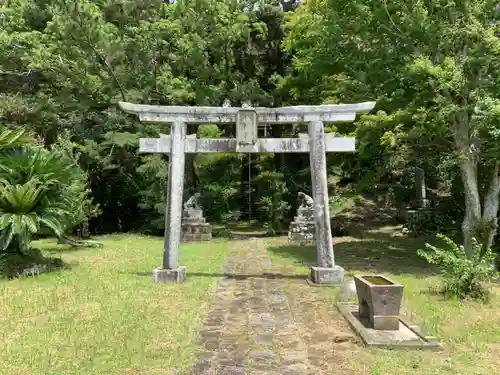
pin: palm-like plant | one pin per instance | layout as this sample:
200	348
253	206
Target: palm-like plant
24	210
35	191
14	139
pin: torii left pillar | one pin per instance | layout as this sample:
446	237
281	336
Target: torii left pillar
171	271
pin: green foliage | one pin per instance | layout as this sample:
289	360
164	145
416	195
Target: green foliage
66	64
22	216
221	233
272	206
153	182
219	181
76	194
342	201
425	221
463	276
69	62
40	190
10	139
437	101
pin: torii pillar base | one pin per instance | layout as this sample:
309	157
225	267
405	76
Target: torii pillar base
327	275
167	276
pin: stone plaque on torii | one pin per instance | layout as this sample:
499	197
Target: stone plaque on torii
317	144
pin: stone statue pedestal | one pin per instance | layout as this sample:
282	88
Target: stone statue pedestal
194	226
303	226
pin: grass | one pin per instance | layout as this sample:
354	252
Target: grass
105	315
241	227
469	330
344	203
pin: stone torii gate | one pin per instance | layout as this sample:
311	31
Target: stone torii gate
177	144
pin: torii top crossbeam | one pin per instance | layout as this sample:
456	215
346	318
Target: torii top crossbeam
201	115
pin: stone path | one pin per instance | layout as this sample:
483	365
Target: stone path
266	323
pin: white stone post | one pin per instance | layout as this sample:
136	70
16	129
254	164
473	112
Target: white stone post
422	201
325	271
171	272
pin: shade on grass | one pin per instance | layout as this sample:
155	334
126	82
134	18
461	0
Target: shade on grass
469	330
105	315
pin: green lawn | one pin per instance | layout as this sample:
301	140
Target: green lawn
105	315
470	331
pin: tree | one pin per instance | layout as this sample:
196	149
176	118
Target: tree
430	62
67	63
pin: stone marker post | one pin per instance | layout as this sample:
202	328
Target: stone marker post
422	200
247	120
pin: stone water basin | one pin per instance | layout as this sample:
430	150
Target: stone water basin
379	301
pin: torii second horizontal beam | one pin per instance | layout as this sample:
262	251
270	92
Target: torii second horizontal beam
279	145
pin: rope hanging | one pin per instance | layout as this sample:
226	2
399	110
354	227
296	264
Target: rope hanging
249	185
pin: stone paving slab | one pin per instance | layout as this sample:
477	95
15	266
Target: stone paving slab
270	325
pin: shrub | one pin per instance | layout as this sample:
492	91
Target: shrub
427	221
221	232
219	185
463	276
272	207
38	192
41	191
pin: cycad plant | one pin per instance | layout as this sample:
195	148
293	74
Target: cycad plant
10	139
39	190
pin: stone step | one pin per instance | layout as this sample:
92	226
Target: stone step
297	219
194	221
300	236
194	228
300	226
302	231
195	237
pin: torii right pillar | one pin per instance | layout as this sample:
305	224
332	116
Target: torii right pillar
325	271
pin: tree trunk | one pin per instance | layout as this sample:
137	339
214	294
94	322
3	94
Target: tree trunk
468	168
473	217
490	211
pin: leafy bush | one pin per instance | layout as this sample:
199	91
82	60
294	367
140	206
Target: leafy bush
463	276
343	201
152	183
219	185
221	233
40	191
425	221
76	192
272	206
